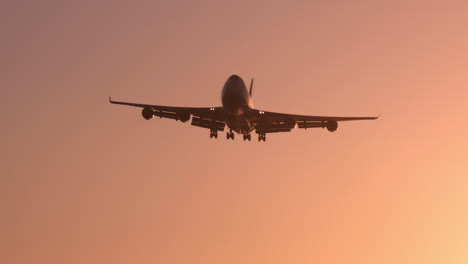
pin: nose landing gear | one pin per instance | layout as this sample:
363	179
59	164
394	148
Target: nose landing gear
247	137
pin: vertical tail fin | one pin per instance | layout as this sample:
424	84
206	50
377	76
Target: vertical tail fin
251	87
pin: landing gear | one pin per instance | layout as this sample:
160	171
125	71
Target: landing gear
247	137
230	135
214	133
262	136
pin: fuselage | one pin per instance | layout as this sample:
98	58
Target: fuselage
237	102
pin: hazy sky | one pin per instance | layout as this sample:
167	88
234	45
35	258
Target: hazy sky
83	181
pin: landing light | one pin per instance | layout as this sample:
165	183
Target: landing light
261	112
212	108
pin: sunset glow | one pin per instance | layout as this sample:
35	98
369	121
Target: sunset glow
84	181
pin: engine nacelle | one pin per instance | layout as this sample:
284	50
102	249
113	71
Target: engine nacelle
332	125
183	116
147	113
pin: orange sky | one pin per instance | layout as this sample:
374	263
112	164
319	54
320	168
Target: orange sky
83	181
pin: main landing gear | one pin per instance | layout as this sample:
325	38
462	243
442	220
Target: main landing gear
262	136
230	135
214	133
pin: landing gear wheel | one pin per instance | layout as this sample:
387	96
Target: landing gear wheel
262	137
230	135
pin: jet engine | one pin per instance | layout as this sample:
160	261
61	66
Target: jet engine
332	125
183	116
147	113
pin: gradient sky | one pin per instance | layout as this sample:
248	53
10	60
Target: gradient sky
83	181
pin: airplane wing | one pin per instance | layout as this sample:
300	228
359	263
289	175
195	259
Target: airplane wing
206	117
271	122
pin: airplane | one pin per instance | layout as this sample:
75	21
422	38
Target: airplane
238	113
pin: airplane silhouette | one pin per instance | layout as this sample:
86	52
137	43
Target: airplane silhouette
238	114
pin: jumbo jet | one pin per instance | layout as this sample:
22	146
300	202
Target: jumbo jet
238	113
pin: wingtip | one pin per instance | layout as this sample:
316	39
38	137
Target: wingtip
110	99
379	116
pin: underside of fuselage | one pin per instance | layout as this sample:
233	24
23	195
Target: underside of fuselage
236	104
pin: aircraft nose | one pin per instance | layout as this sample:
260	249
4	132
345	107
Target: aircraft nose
234	77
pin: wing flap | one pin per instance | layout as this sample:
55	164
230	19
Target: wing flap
271	130
311	124
271	122
161	114
205	117
285	117
208	123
